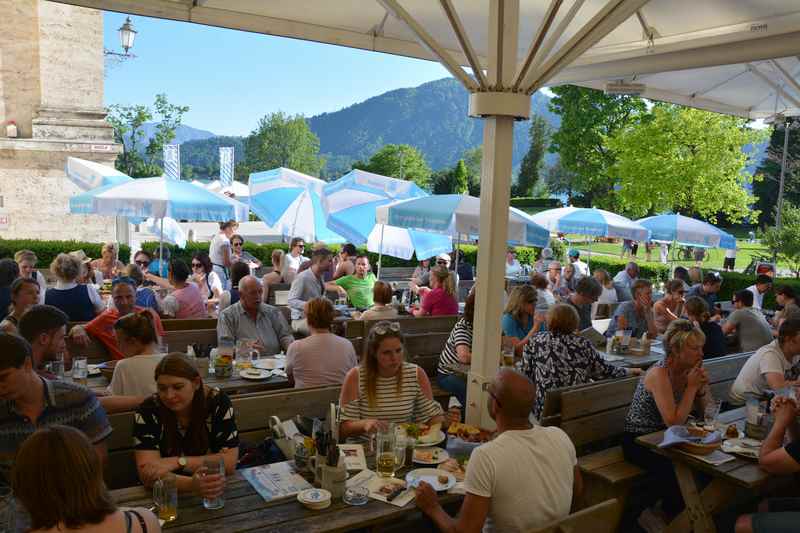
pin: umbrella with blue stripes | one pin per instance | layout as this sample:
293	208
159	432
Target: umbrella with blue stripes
687	231
590	221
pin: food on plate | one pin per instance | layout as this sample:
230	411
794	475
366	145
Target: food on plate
443	479
454	467
252	372
422	432
732	432
695	431
426	455
470	433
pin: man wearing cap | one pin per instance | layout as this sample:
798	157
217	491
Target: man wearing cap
762	285
425	280
581	268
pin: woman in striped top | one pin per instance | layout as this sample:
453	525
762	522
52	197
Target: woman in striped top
385	388
456	355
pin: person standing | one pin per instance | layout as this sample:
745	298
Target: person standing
729	264
581	268
221	253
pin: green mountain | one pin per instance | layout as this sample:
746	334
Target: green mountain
432	117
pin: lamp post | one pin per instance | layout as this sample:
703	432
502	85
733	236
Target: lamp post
127	35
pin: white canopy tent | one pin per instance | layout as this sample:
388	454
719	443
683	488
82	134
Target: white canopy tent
514	47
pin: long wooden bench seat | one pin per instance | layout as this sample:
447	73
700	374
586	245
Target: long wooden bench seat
408	324
252	412
397	273
601	518
593	415
176	340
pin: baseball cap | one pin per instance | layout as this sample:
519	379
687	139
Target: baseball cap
443	257
573	252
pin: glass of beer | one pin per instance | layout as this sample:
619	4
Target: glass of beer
244	353
80	370
385	458
165	496
508	351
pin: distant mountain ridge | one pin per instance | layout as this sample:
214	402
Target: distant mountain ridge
183	133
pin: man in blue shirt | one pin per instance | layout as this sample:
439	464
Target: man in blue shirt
707	290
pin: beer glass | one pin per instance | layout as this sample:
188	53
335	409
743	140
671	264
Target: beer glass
385	453
165	496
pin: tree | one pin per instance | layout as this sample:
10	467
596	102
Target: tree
473	158
684	160
562	181
460	178
281	140
442	181
588	117
138	160
766	189
399	161
533	161
785	242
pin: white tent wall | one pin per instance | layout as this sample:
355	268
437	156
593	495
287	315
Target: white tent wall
518	46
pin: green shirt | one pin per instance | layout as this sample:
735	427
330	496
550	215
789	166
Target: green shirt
359	291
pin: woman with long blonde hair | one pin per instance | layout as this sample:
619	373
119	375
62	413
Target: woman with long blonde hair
385	388
441	299
520	320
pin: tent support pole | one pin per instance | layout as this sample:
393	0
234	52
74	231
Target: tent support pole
161	248
380	252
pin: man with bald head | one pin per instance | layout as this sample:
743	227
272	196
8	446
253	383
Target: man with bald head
249	318
524	478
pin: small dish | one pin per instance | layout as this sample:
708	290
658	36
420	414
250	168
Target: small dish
430	456
269	363
314	499
358	495
433	477
255	374
431	440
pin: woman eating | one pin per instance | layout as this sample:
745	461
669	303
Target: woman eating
24	294
670	307
441	299
665	397
456	355
697	312
109	265
182	425
58	478
520	320
385	388
381	298
559	357
138	342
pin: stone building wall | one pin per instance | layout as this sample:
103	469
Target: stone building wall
51	85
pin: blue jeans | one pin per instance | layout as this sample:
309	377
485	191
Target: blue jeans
455	385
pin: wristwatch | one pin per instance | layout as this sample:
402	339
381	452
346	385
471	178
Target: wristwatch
182	461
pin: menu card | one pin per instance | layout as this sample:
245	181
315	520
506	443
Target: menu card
276	481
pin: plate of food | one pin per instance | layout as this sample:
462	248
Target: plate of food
454	467
430	455
749	448
425	435
470	433
94	370
438	479
269	363
255	373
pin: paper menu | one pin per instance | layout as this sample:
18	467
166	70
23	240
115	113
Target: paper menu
354	458
276	481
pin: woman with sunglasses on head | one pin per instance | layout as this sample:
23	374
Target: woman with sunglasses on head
670	307
385	388
181	426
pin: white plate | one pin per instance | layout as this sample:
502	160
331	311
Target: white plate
262	374
431	477
269	363
745	447
439	456
432	441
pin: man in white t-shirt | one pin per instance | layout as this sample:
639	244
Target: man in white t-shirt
581	268
295	256
769	368
762	285
524	478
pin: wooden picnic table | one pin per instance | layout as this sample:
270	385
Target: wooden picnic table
636	361
246	510
728	478
228	385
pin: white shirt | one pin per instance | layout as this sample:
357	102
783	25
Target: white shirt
623	278
752	377
730	254
514	269
94	296
581	268
135	376
608	296
528	474
758	298
42	285
294	262
216	250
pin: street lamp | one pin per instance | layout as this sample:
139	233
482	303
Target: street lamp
126	37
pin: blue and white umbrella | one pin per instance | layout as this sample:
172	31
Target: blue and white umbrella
404	243
457	215
290	203
687	231
89	175
590	221
350	201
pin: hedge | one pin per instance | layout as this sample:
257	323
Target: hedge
652	271
46	251
548	203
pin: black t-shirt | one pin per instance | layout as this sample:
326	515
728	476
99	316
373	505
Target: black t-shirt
715	345
793	449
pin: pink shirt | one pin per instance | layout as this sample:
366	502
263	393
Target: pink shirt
438	302
190	302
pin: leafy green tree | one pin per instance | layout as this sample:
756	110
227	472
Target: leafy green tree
399	161
461	178
473	159
532	163
137	159
562	181
684	160
766	189
588	117
281	140
442	181
785	242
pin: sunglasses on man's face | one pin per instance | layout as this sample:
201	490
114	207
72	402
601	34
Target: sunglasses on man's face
441	263
237	244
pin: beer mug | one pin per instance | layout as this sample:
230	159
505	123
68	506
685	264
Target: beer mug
165	496
385	459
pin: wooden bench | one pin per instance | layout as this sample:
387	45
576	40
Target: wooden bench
601	518
390	274
176	340
409	324
593	415
252	412
174	324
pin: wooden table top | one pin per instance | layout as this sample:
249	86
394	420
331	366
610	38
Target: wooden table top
228	385
246	510
636	361
742	472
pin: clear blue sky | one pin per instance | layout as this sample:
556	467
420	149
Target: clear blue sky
230	79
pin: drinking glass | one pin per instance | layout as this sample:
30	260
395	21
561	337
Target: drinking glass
710	414
399	451
80	370
8	515
214	467
508	351
385	451
244	353
165	496
57	366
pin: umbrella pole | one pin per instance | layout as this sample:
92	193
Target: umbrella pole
458	242
380	252
161	248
